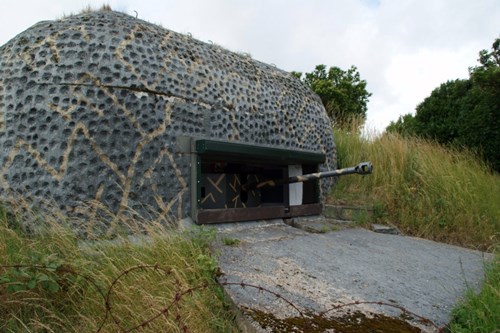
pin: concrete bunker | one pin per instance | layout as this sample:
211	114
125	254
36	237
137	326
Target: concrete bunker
105	108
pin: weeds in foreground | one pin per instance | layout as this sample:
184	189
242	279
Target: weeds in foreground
480	313
230	241
56	287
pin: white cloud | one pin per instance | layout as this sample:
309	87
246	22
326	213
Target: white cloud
410	78
402	48
410	75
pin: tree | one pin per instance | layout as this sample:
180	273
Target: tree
480	126
405	125
343	93
436	117
490	59
463	112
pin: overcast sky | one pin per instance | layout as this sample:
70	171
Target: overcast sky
402	48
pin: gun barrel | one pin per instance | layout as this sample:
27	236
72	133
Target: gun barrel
363	168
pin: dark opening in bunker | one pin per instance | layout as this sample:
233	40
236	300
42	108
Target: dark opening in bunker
233	182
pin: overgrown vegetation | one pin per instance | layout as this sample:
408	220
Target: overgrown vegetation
424	189
462	112
430	191
62	283
480	313
342	92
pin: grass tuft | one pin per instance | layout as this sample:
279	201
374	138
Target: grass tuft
228	241
480	313
62	282
433	192
424	189
103	8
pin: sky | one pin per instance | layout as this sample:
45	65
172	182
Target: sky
403	48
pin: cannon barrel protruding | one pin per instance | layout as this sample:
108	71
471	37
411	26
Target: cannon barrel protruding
363	168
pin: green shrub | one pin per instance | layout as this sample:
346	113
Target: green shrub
480	313
424	189
50	281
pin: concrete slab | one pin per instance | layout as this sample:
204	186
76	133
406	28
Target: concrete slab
385	229
288	274
319	224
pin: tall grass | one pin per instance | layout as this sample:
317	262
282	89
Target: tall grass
57	290
480	313
433	192
424	189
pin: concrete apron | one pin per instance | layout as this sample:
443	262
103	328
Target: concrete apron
284	279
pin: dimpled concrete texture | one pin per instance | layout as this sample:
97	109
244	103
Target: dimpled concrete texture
92	107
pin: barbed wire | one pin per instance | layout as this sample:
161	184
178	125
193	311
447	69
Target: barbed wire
180	294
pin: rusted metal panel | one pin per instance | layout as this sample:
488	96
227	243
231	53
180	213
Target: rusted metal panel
305	210
241	214
256	213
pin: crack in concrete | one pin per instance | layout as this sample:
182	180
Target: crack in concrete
224	106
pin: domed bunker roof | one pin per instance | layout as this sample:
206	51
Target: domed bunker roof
96	107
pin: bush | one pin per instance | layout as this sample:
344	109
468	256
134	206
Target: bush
50	281
426	190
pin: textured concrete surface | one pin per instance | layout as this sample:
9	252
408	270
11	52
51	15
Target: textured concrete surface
95	107
316	271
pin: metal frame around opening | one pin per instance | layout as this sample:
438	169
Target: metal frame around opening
239	151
